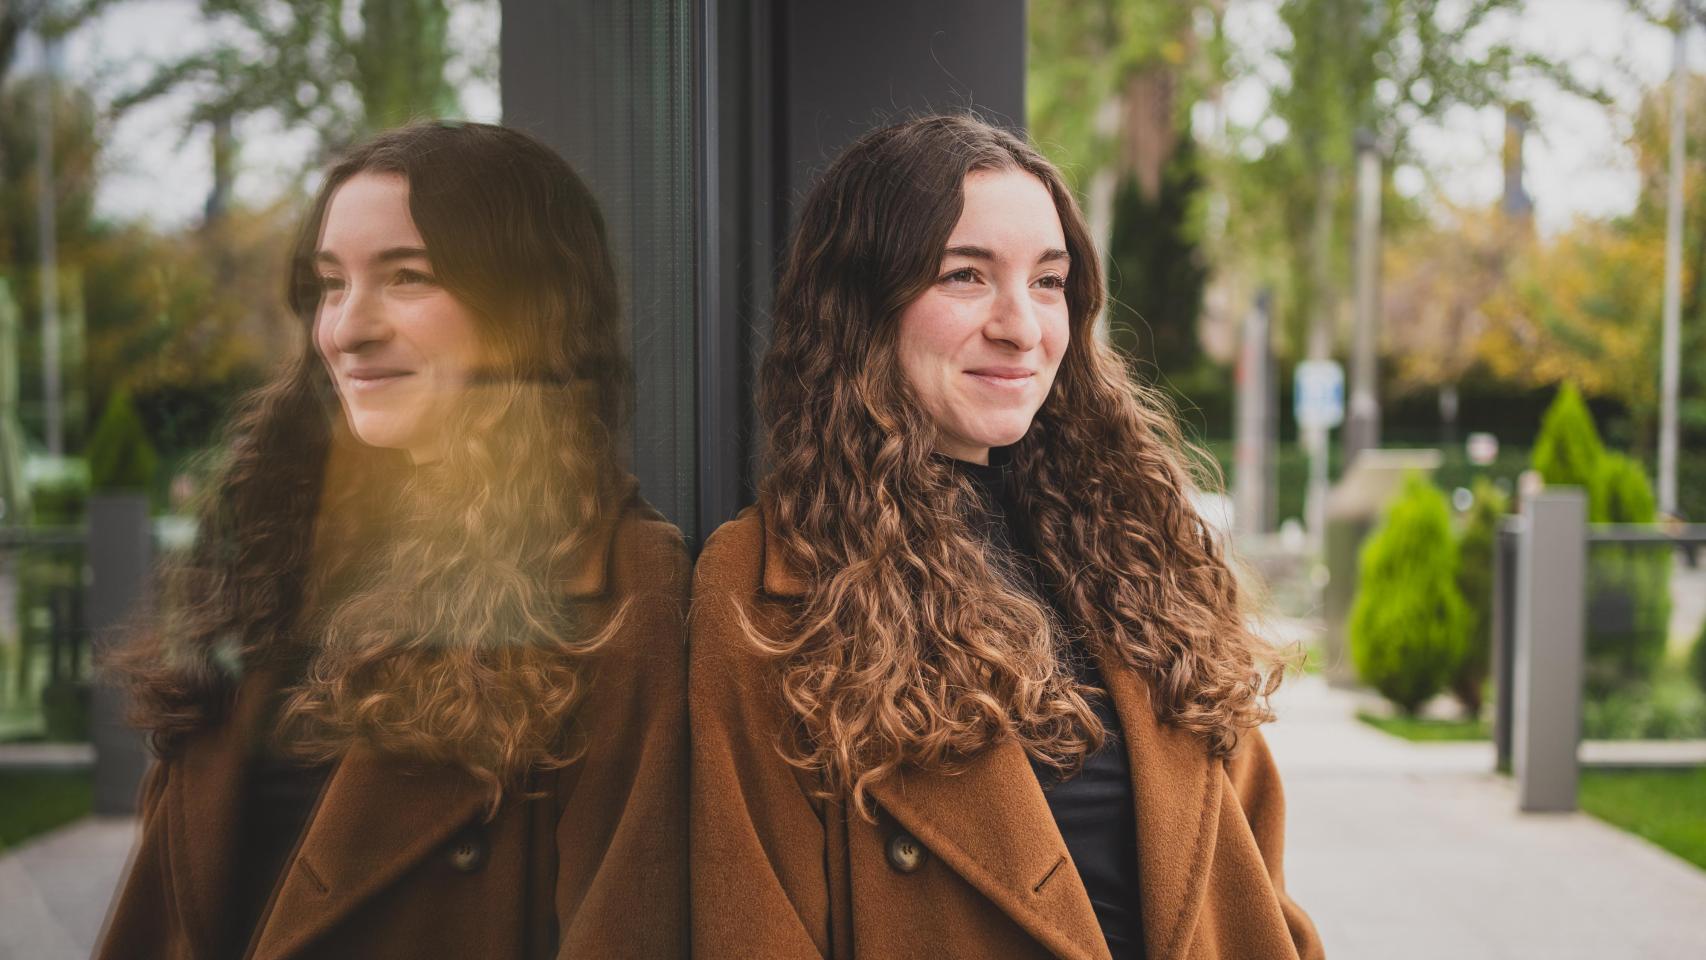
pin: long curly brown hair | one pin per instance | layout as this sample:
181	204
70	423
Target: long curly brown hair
421	607
915	644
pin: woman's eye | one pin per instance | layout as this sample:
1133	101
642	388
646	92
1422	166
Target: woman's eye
1053	281
329	284
962	275
412	276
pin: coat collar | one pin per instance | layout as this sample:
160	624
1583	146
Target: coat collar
991	823
587	571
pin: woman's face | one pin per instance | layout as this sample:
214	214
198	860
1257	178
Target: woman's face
400	348
981	346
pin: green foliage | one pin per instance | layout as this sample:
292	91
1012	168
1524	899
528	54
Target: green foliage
1428	729
1567	453
1408	623
1667	708
296	60
1156	270
35	802
1628	585
120	456
1697	660
1621	493
1661	805
59	501
1082	54
1475	556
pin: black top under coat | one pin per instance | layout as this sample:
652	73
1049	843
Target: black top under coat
1094	808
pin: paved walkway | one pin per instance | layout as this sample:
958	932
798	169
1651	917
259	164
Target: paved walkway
1404	850
54	890
1398	850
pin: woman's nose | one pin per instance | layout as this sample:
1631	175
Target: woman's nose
1013	320
359	321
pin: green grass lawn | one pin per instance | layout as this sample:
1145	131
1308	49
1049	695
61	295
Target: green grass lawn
1667	807
1428	730
32	803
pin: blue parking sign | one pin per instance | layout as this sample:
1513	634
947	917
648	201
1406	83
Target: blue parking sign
1318	394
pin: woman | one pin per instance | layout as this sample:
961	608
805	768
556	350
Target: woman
417	689
972	679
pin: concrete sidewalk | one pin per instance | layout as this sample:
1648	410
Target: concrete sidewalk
55	889
1402	850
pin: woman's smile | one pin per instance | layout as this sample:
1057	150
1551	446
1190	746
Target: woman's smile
368	379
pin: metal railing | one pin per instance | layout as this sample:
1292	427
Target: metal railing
1539	622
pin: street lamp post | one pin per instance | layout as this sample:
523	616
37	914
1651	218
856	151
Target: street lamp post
1670	349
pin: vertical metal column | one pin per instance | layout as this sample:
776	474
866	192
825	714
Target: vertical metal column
120	552
1504	638
1547	719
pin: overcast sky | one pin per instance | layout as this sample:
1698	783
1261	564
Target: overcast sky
1577	164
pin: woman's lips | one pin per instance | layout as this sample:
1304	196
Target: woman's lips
374	378
1005	378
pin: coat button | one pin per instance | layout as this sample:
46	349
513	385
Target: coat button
468	851
906	854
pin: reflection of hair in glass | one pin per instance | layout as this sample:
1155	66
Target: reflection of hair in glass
425	602
914	646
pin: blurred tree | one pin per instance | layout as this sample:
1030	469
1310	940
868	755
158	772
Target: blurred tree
1156	270
1384	66
1111	89
338	71
76	151
75	170
42	17
1436	280
1583	310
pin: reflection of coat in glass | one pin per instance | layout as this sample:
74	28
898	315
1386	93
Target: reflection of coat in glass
964	865
400	862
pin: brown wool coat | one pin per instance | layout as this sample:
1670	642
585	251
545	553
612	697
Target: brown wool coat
778	874
399	863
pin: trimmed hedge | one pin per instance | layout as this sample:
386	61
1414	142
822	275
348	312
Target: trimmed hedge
1475	558
1408	625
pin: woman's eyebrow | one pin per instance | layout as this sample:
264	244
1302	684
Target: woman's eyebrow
972	252
1051	255
387	255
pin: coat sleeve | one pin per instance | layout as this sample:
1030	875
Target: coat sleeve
621	885
1256	780
760	885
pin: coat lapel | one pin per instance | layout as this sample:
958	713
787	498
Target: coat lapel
378	817
991	823
205	800
1176	790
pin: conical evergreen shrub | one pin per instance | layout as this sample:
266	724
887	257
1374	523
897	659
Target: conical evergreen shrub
1408	624
1475	556
120	456
1568	450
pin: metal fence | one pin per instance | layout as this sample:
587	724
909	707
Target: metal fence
99	577
1541	616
